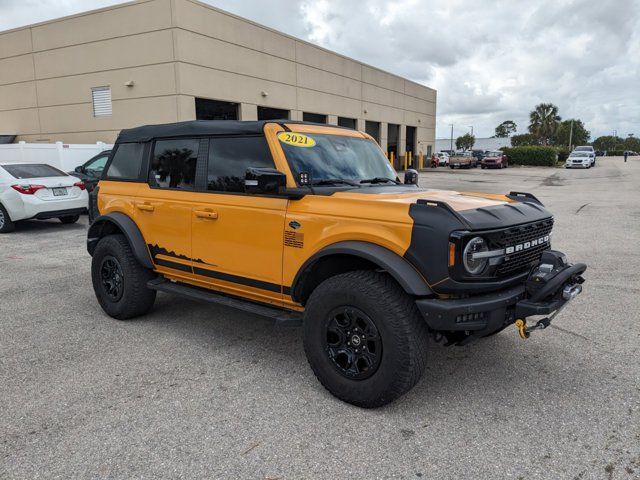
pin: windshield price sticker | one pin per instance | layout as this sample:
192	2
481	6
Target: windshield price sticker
296	139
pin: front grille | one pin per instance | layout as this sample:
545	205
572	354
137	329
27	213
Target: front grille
524	259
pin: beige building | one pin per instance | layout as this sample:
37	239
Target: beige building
82	78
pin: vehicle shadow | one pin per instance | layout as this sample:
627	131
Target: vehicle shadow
473	372
25	226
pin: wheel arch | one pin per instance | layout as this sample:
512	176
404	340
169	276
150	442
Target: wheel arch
3	205
119	223
346	256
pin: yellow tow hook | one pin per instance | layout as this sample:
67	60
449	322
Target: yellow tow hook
521	325
525	332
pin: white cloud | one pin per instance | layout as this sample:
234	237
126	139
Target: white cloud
490	60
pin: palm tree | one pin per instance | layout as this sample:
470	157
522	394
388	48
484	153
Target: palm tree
544	122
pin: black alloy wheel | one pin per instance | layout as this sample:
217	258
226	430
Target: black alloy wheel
112	278
353	343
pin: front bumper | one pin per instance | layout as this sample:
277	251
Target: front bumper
481	315
577	165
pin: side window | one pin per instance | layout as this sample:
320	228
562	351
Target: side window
229	159
97	165
126	162
173	164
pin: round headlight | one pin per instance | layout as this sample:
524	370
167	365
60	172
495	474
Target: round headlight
475	266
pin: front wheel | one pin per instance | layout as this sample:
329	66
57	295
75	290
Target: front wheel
364	338
119	280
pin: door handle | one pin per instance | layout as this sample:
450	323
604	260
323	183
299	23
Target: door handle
206	214
147	207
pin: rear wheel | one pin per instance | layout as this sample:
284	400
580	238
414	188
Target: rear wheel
6	225
68	219
119	281
364	338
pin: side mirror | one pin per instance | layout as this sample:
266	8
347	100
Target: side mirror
411	177
264	180
79	169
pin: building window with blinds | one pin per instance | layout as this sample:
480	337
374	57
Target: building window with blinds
101	97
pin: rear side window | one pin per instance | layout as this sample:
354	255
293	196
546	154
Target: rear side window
173	164
126	162
33	171
229	159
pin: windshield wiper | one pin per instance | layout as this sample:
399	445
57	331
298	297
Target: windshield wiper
380	180
334	181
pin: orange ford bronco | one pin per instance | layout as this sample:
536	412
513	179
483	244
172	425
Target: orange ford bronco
309	222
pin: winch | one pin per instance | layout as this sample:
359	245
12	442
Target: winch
549	287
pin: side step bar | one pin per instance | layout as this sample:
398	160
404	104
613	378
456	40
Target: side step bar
283	317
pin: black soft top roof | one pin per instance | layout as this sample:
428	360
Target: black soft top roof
200	127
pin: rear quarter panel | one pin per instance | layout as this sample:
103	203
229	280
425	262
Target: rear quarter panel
118	197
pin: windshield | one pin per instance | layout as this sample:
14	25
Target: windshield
579	154
335	157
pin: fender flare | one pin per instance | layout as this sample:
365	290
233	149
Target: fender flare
129	229
398	267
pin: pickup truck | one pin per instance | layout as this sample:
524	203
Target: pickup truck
464	160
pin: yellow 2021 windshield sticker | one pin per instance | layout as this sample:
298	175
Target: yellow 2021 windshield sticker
296	139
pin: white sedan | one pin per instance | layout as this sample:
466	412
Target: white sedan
580	160
39	191
443	159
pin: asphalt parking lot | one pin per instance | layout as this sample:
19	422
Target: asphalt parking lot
201	391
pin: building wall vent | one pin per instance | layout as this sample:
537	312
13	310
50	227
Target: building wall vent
101	97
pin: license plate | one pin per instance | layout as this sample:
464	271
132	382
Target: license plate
59	192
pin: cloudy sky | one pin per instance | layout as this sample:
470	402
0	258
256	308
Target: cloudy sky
490	60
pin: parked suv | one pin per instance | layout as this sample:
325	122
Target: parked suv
90	171
495	159
300	221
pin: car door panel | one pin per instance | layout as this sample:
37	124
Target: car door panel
164	205
237	237
237	244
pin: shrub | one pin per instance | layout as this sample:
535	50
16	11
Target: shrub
532	155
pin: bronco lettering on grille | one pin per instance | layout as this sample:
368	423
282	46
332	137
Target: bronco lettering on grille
526	245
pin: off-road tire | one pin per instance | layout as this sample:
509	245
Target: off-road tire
69	219
6	225
136	299
403	332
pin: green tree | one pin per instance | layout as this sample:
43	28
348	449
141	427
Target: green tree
580	134
544	121
608	142
632	143
505	129
465	142
523	140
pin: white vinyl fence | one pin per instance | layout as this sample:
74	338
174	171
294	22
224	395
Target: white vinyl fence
64	156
